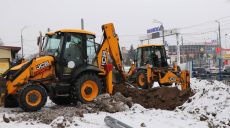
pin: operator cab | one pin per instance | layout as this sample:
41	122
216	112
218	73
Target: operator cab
71	49
155	55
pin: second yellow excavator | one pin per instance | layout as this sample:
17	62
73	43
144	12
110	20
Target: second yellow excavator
151	66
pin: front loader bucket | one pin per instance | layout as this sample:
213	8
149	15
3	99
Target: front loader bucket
2	90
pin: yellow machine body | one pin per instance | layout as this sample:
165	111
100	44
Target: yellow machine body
40	68
163	74
30	82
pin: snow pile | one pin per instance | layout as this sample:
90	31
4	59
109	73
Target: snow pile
208	107
138	117
210	103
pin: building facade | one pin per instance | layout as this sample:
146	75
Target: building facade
7	54
194	52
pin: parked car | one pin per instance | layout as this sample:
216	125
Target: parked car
199	72
225	67
212	70
225	75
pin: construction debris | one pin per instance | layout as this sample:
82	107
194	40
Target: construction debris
114	123
104	102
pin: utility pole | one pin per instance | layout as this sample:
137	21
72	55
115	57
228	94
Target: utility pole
22	44
163	29
219	37
22	39
82	23
163	33
183	51
182	41
178	48
220	60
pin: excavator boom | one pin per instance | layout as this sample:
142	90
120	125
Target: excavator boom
110	47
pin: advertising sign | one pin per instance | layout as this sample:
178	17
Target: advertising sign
156	29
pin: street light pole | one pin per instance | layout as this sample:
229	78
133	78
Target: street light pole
225	42
22	40
220	60
163	32
163	29
219	37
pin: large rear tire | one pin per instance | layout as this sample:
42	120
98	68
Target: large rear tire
88	87
32	97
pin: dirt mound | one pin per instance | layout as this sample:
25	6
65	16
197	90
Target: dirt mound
105	102
167	98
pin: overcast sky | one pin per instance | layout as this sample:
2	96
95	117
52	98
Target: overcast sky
131	17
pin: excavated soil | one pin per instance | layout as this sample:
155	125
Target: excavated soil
124	96
167	98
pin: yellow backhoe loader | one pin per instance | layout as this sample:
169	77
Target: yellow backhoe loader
71	67
151	66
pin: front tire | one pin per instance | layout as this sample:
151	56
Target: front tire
88	87
32	97
142	79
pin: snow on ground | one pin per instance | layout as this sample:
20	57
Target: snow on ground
211	102
138	115
209	107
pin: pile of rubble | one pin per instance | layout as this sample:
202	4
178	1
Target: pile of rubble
105	102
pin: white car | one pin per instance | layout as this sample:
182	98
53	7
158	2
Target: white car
225	67
213	70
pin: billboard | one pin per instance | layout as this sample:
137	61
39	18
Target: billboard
155	29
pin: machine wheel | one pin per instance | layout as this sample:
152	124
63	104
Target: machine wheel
32	97
10	101
61	100
88	87
142	79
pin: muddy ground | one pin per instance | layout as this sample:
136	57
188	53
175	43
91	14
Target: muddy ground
124	97
104	102
167	98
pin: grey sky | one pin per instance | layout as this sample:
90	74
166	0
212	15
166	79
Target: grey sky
131	17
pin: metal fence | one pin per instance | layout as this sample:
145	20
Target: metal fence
207	76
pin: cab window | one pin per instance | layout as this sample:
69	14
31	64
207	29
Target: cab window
91	48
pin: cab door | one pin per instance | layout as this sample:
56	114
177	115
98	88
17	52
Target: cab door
72	53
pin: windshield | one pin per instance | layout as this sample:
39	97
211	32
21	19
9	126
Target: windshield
154	55
91	48
52	44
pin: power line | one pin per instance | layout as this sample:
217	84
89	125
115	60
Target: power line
223	18
210	21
